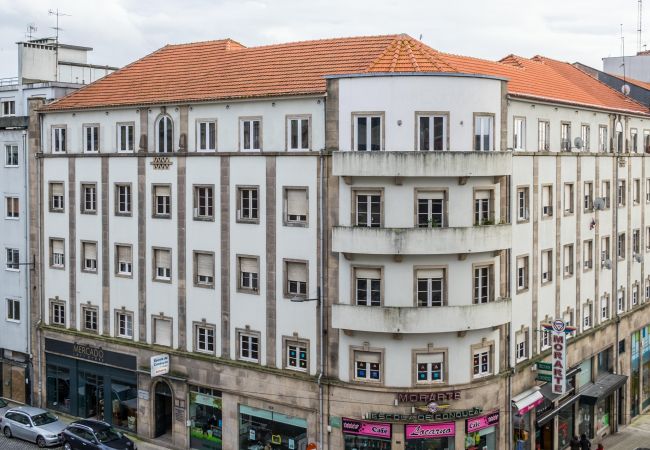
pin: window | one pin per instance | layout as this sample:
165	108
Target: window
565	137
547	266
543	135
249	347
56	197
298	129
481	362
204	338
57	312
432	132
13	259
585	135
620	193
586	316
545	340
125	137
521	345
162	264
367	366
247	205
634	141
58	139
620	246
203	202
606	192
646	141
635	294
604	307
568	320
204	269
297	355
588	254
250	134
588	204
620	300
602	139
518	135
89	318
604	249
483	214
368	209
124	263
430	368
296	278
647	239
91	138
162	200
13	310
636	191
547	201
206	136
568	260
57	255
11	156
8	107
123	199
636	241
88	198
647	289
568	198
165	135
162	331
89	257
431	211
296	206
523	200
124	324
12	208
522	273
483	284
483	133
368	133
367	286
248	273
430	287
647	190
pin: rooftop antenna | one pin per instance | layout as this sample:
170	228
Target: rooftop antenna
640	26
31	28
58	14
623	52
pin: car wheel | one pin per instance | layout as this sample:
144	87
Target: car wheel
67	446
40	441
7	432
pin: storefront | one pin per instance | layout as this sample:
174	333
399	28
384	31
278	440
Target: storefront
206	429
260	429
645	365
362	435
597	401
522	405
13	376
89	382
430	436
481	432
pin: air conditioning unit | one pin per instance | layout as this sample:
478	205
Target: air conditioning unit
599	203
607	264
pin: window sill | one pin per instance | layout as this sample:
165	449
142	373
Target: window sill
248	360
92	272
163	280
250	221
203	219
124	275
11	167
587	269
295	224
522	290
296	369
89	213
204	285
522	221
206	150
56	211
161	216
123	214
129	338
242	290
57	267
12	270
204	352
15	219
544	283
13	320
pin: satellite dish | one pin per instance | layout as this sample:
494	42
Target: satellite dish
578	142
625	89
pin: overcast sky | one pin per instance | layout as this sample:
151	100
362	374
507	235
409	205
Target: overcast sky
121	31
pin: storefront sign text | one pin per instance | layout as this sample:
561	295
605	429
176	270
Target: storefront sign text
480	423
558	359
363	428
427	397
90	353
430	430
159	365
450	414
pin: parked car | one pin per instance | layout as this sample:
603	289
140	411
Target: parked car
94	435
4	406
33	425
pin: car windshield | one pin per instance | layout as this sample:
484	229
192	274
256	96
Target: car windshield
107	435
43	419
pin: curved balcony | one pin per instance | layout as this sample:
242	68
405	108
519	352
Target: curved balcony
421	241
410	319
421	164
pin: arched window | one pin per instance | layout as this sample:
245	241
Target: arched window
165	135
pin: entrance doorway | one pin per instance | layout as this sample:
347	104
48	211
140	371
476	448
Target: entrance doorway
162	409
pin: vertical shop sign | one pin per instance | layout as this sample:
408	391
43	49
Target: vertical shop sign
559	357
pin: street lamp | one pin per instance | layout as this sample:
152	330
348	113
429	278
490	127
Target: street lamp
298	299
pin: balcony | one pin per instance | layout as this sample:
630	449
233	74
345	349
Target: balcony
410	319
421	164
421	241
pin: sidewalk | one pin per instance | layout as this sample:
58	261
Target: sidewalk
635	435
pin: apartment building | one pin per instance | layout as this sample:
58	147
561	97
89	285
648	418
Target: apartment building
354	243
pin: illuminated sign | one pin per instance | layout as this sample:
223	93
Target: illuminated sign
558	357
427	397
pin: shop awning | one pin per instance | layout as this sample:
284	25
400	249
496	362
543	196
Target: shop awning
602	387
527	400
541	420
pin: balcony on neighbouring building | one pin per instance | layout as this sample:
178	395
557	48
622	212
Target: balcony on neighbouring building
410	319
421	241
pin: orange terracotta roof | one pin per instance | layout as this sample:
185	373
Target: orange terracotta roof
225	69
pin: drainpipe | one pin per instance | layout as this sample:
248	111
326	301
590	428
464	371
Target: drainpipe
39	201
29	377
617	319
321	303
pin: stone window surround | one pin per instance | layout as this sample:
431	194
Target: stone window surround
117	313
57	301
51	258
285	279
50	185
195	269
295	339
475	115
353	199
285	207
353	127
117	136
117	273
154	271
240	133
238	280
117	199
238	191
197	133
154	205
491	279
427	351
86	308
525	332
287	135
54	127
353	283
82	192
491	360
247	331
526	189
492	197
526	287
416	192
195	203
418	114
416	268
161	316
83	256
353	349
85	126
195	336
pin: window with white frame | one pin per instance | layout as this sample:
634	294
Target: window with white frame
88	198
8	107
204	263
248	273
636	191
367	366
585	135
521	345
367	286
647	239
367	133
162	264
89	256
57	312
298	133
206	135
203	202
124	261
483	284
568	260
620	246
588	204
162	200
249	347
647	190
124	324
204	338
568	198
606	192
547	266
56	197
430	287
519	133
646	141
162	331
123	199
91	138
634	140
483	207
587	316
296	206
604	307
635	293
545	339
11	156
248	204
481	362
13	259
523	202
547	201
603	144
565	137
588	254
620	300
12	210
89	318
430	368
522	273
57	253
13	310
604	249
165	135
58	139
125	137
250	134
297	356
432	132
296	274
368	209
431	209
483	133
543	135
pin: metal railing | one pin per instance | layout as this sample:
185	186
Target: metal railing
8	81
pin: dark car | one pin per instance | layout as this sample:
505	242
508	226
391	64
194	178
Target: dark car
94	435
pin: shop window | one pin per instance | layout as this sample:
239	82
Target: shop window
56	197
88	198
124	324
204	338
296	279
204	269
89	315
367	366
295	206
123	403
431	211
248	204
270	429
203	203
206	418
367	286
430	287
162	331
430	368
162	204
249	270
57	312
58	387
249	346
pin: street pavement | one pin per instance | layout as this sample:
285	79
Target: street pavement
636	435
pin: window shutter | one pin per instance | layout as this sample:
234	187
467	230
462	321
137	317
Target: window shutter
431	358
124	253
163	191
163	258
483	194
57	188
521	263
297	271
364	272
431	273
204	264
248	265
438	195
57	246
297	202
163	332
370	357
90	251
